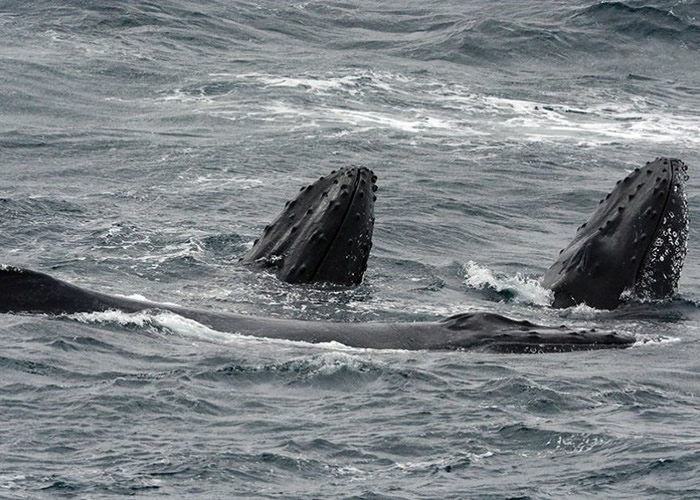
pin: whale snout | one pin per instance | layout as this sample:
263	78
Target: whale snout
325	233
636	240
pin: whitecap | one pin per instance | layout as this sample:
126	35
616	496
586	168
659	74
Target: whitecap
524	289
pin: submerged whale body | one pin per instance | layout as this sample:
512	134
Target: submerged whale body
324	234
635	242
33	292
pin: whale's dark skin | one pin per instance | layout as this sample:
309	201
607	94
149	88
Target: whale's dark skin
634	243
636	240
324	234
25	291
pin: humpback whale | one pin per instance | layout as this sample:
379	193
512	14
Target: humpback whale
635	241
33	292
634	244
324	234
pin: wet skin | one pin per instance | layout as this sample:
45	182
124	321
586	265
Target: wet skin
324	234
635	241
24	291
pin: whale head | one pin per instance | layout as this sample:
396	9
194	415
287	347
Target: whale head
634	243
325	233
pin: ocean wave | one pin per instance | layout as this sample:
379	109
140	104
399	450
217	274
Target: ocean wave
38	207
434	110
174	326
641	21
144	146
334	370
518	288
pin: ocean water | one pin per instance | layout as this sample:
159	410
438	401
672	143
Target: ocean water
144	146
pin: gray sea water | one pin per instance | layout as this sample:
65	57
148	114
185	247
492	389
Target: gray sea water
144	146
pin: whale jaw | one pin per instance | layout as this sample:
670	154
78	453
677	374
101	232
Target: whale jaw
635	242
325	233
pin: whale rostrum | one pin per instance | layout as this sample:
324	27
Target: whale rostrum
325	233
634	244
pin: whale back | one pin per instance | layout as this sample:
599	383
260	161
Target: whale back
325	233
635	242
26	291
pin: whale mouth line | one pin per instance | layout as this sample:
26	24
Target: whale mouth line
348	208
664	255
657	228
324	234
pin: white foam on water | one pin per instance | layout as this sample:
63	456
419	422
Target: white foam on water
445	109
581	311
632	120
139	319
409	121
525	289
412	124
192	330
600	123
654	341
575	443
315	85
182	96
356	83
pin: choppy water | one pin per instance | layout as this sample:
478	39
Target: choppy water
144	145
